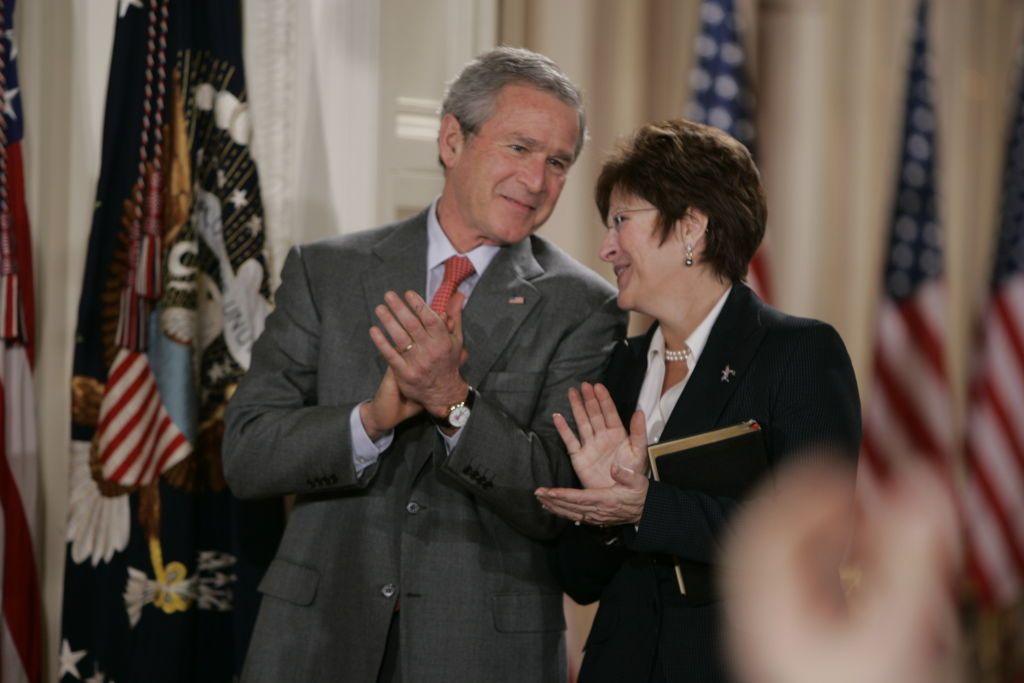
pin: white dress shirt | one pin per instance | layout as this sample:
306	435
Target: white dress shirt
365	451
657	407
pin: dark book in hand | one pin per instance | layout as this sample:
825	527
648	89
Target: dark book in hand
725	462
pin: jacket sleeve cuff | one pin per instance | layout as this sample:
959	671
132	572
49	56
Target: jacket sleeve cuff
659	524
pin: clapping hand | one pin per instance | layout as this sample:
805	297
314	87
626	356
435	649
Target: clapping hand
424	351
602	440
388	408
417	337
611	464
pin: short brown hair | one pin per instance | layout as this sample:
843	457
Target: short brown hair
677	165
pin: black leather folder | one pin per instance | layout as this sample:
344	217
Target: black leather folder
725	462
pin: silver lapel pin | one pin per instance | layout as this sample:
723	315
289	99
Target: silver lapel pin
728	373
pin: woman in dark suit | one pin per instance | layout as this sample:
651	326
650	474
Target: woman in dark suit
685	212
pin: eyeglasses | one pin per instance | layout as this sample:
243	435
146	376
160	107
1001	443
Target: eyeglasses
615	221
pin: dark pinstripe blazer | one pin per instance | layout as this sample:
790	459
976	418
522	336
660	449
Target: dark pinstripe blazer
794	377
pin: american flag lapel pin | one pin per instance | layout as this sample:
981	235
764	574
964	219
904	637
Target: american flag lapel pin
516	300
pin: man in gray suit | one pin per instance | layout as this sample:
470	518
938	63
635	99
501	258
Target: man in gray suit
416	550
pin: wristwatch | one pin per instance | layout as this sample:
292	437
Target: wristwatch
458	413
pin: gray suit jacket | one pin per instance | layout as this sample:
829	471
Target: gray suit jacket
458	538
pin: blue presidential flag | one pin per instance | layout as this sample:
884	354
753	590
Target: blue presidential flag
162	561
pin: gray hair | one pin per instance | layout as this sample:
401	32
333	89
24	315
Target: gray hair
470	97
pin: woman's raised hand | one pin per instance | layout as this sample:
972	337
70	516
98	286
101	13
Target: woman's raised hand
602	440
621	502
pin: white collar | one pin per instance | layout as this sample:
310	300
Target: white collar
697	340
440	249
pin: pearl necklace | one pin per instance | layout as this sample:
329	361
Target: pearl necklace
682	355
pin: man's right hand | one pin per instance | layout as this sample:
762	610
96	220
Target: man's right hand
387	409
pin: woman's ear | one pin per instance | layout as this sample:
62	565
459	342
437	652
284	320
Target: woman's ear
694	225
691	228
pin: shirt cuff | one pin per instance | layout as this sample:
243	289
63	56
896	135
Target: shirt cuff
365	451
450	442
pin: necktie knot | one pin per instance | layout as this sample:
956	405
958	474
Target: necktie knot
456	270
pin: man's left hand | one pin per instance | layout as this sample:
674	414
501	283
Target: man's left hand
426	351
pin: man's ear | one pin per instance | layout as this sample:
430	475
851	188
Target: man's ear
450	140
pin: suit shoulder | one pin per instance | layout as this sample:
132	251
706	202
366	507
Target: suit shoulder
774	319
799	334
355	243
562	271
351	252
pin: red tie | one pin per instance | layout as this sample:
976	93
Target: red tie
456	269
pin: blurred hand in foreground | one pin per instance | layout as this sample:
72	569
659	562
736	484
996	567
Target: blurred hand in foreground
788	619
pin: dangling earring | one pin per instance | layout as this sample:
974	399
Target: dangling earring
689	254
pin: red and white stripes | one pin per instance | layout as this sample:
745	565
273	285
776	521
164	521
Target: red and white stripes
909	413
21	627
993	497
21	623
137	439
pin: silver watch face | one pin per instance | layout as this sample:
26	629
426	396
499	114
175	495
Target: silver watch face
459	416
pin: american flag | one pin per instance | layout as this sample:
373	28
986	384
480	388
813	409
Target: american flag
993	498
722	97
909	412
21	624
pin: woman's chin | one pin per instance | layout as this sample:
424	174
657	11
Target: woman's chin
625	301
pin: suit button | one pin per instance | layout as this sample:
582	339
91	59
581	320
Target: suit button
413	507
388	590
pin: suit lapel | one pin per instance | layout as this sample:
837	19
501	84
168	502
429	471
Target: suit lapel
731	346
501	301
402	266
